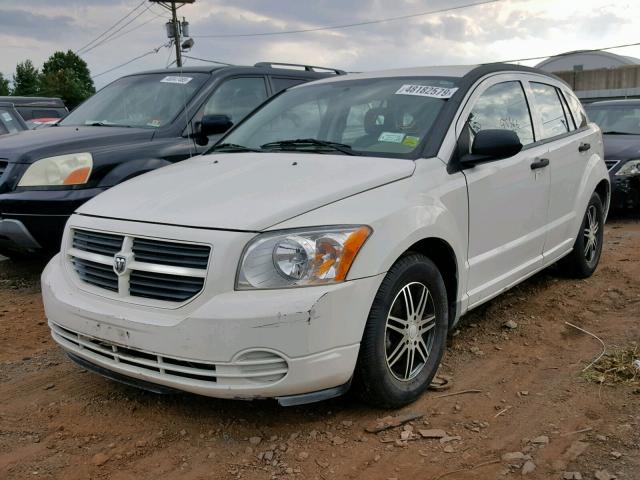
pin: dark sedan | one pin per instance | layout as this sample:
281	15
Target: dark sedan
620	124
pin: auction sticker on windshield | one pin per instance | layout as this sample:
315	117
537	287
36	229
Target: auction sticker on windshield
426	91
179	80
6	117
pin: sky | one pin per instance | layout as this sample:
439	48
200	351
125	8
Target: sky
503	30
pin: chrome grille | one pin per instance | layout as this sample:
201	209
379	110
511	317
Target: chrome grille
258	367
172	288
153	269
170	253
96	274
611	164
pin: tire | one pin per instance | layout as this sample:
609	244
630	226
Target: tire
583	261
383	376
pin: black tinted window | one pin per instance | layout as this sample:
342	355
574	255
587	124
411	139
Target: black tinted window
237	98
503	106
576	109
552	115
280	84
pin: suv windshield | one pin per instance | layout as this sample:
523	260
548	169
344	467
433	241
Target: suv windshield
622	119
381	117
147	101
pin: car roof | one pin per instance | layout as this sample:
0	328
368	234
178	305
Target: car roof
469	73
34	101
610	103
263	68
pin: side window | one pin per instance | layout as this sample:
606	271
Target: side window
280	83
237	98
503	106
567	113
554	122
579	115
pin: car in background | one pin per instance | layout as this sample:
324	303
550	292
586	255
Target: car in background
334	237
37	111
136	124
10	120
619	121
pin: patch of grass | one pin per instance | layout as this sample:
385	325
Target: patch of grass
616	368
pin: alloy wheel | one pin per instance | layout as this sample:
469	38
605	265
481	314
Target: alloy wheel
591	234
410	331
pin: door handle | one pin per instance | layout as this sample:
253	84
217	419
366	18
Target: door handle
584	147
539	163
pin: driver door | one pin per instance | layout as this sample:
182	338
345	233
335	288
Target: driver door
507	198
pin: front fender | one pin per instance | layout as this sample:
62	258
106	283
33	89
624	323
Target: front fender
130	169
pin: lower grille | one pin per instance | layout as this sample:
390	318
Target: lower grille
251	368
96	274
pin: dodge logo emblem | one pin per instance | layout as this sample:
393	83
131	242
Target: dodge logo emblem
119	264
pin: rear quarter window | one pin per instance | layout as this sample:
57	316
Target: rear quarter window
578	113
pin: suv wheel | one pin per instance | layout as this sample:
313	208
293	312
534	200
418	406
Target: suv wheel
405	336
583	260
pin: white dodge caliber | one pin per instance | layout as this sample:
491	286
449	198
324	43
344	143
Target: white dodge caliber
334	237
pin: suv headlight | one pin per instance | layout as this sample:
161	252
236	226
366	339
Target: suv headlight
72	169
632	167
298	258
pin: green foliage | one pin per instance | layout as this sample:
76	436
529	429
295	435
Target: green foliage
67	76
26	81
4	86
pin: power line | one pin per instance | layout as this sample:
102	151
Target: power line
153	51
208	61
112	26
112	34
349	25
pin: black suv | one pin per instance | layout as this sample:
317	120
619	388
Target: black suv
620	124
134	125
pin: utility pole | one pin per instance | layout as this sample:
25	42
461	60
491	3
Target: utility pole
174	27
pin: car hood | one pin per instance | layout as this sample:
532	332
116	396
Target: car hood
621	147
32	145
244	191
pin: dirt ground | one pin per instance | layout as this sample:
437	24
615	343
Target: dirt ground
534	405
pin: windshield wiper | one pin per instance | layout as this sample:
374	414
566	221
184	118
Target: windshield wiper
305	143
615	132
103	124
232	147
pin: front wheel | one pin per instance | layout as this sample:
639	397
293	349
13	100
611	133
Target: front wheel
405	336
584	259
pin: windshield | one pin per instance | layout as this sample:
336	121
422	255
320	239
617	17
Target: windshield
623	119
379	117
147	101
8	122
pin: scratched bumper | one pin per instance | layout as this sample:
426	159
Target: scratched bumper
315	331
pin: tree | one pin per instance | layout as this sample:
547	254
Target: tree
25	80
4	86
67	76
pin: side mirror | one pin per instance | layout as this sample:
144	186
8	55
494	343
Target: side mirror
489	145
213	125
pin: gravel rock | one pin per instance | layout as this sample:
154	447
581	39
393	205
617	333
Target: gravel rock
100	459
604	475
571	476
510	324
528	467
432	433
515	456
303	456
338	440
255	440
541	440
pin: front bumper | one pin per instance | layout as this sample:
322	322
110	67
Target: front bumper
235	344
42	214
625	192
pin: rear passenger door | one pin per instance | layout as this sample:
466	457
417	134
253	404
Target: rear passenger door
507	198
567	164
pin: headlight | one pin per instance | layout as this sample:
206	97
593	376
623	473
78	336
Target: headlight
300	258
632	167
72	169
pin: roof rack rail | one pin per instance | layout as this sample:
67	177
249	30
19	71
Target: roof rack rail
308	68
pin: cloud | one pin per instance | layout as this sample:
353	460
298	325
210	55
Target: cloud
21	23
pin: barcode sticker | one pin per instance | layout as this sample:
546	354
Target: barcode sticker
179	80
426	91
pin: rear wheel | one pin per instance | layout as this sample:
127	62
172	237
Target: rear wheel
584	259
405	335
